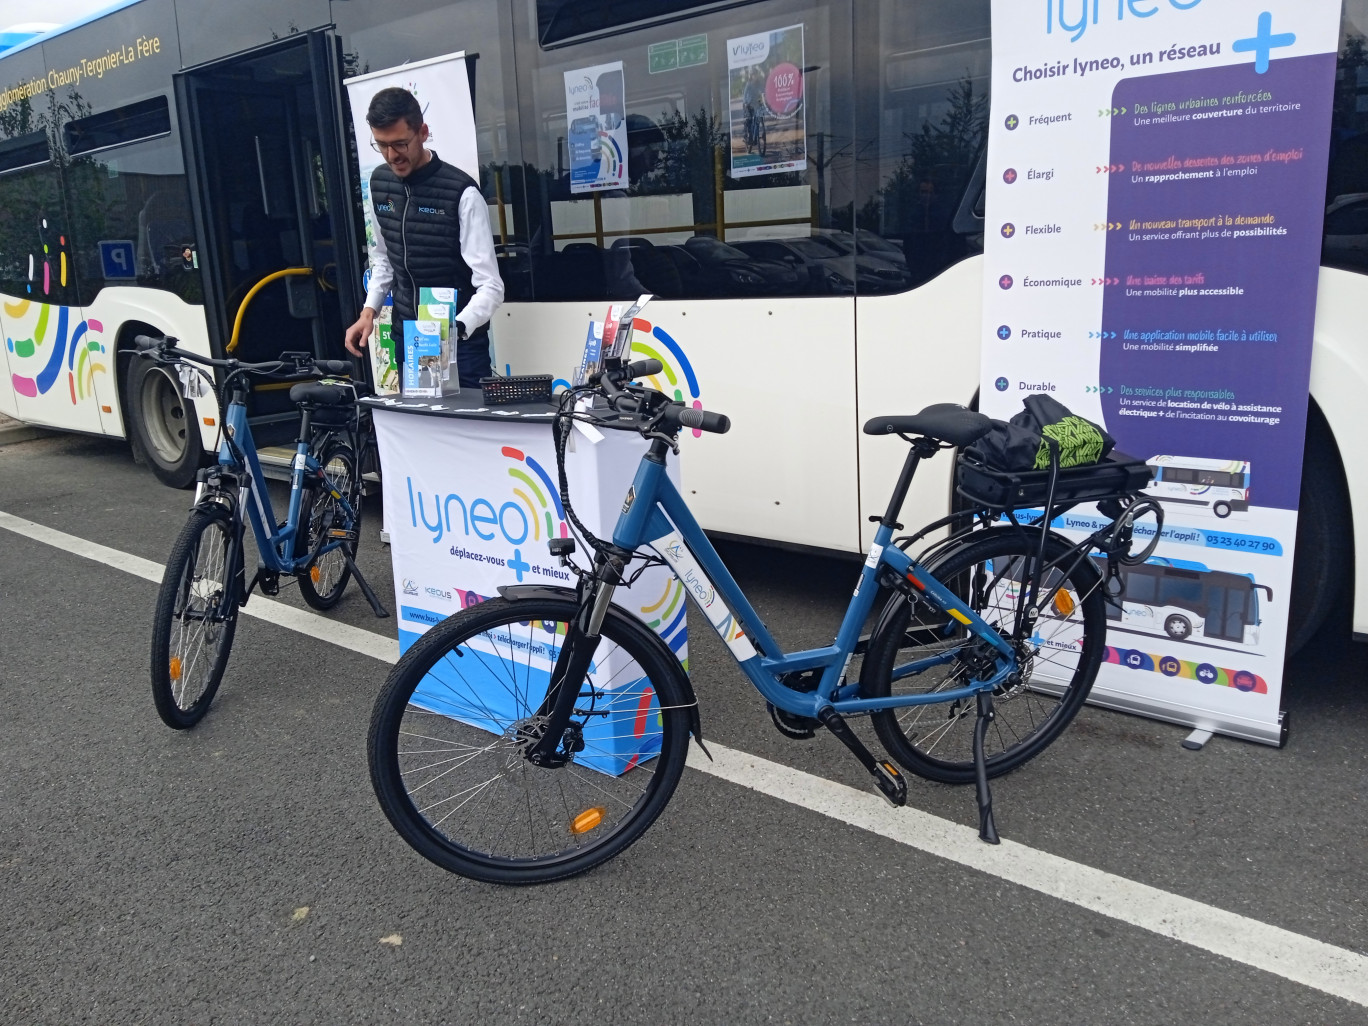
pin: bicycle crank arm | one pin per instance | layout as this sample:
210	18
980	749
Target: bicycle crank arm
886	776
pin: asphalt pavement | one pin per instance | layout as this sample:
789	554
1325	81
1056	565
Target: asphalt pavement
242	872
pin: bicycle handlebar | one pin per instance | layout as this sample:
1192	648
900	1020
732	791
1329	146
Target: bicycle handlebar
146	345
673	415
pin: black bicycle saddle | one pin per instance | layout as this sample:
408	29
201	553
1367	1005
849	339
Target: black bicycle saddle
945	422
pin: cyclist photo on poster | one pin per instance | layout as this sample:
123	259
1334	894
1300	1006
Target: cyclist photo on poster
765	92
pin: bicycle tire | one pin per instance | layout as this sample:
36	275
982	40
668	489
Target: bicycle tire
188	661
322	582
476	843
934	741
761	134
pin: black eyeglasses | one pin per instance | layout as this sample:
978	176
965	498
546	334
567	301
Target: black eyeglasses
400	148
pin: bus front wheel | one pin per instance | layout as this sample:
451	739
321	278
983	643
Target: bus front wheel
163	423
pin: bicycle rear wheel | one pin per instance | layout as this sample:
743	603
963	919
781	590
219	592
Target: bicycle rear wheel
451	728
191	635
1058	662
321	584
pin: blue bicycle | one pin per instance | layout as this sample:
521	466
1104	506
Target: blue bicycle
205	582
535	735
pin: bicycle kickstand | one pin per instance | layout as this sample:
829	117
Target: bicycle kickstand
987	828
380	611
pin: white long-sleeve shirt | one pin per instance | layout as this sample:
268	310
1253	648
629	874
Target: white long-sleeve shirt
477	250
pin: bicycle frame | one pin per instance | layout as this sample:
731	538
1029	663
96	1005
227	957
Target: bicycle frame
237	452
656	515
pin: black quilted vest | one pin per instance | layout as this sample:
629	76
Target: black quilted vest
419	217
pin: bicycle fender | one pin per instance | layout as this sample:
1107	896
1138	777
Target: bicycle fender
523	592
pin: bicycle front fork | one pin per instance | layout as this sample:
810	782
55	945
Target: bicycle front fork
558	740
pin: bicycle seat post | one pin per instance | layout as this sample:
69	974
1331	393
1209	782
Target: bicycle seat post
921	447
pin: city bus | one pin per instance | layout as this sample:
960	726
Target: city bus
188	167
1220	487
1186	601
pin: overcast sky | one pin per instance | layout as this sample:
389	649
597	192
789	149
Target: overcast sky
15	12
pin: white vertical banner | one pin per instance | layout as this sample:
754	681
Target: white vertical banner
1156	174
442	88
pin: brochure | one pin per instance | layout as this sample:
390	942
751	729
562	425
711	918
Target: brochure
422	359
439	304
592	361
619	346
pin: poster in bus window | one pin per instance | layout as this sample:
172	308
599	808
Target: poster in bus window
1155	204
765	99
596	128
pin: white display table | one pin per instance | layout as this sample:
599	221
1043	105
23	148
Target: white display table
471	500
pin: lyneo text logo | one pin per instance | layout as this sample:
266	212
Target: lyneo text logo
533	514
1076	16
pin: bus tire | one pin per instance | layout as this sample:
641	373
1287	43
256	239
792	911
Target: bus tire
1325	536
1221	509
1177	627
163	423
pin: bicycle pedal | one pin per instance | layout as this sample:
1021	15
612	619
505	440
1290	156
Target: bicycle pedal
343	535
890	783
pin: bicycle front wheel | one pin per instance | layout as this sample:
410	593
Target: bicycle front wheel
453	725
321	583
1057	662
193	626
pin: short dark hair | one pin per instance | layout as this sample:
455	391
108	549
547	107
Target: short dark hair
391	104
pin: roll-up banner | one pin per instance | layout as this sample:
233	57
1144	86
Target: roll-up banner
442	86
1156	176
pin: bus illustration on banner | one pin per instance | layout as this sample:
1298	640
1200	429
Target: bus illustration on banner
1185	601
1218	486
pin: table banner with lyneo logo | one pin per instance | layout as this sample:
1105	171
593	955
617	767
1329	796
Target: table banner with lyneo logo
470	505
1156	180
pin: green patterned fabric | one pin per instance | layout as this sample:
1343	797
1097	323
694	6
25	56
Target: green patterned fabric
1079	443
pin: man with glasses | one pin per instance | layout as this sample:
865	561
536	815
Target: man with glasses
432	231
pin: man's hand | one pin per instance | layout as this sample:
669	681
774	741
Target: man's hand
358	335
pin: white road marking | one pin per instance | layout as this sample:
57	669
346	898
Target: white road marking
1312	963
261	607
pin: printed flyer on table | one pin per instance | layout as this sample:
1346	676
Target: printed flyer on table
1156	181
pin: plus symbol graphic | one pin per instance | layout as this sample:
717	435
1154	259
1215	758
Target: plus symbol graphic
1009	176
1012	122
1263	41
517	565
1004	333
1005	281
1008	230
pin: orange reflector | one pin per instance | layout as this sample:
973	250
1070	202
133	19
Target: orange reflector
175	668
1063	603
314	575
587	820
106	409
208	421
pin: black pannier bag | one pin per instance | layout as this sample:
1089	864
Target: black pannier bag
1019	444
1011	467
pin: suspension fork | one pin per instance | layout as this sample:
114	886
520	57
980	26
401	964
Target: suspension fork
572	664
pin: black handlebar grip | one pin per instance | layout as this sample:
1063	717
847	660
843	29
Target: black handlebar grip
702	420
333	366
643	369
146	342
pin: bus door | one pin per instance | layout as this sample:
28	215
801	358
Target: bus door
273	205
1226	607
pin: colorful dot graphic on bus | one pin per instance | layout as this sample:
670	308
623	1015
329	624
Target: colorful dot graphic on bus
74	348
677	372
532	490
666	617
1171	666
